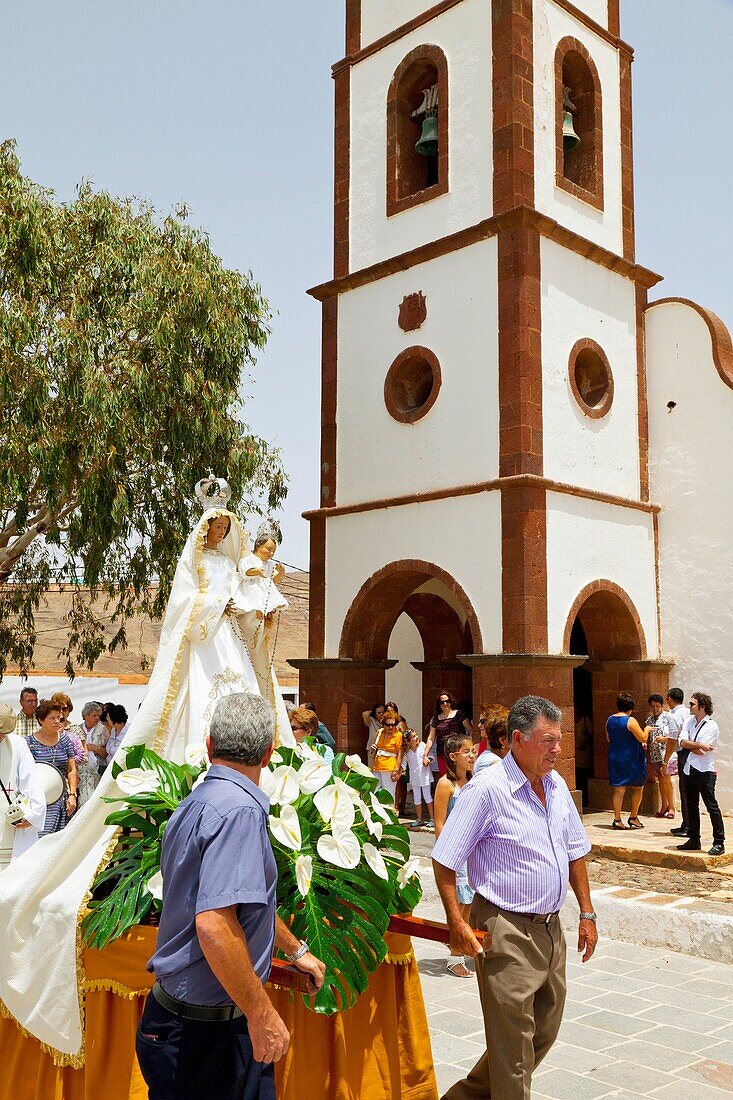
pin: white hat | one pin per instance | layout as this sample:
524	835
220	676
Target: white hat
7	719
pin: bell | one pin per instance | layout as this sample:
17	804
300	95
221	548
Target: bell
570	139
427	146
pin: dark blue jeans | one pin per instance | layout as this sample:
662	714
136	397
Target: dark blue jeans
188	1060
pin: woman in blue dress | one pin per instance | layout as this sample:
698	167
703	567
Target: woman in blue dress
626	760
50	745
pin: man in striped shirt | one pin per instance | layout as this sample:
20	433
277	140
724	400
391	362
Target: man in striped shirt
517	827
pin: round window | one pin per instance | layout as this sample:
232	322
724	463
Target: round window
412	385
590	378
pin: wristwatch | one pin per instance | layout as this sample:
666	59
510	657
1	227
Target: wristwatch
302	950
589	916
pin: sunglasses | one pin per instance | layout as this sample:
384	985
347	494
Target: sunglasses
390	725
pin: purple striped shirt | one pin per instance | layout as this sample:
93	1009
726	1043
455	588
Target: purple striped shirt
517	851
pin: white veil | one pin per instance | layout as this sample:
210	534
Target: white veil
44	892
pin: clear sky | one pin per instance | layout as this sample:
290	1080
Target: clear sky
228	106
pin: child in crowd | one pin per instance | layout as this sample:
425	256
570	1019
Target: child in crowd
420	781
460	753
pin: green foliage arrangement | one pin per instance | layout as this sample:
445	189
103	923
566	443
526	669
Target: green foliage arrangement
123	342
343	859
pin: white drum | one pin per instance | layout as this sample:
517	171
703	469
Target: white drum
52	781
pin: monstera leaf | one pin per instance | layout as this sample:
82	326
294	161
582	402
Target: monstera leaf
343	859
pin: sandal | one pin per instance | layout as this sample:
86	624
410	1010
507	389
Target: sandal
617	823
457	966
638	824
670	815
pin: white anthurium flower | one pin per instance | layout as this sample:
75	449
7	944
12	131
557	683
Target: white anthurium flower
196	754
374	858
356	764
286	737
313	775
138	781
375	827
276	759
340	848
379	809
348	792
267	782
304	873
285	786
154	886
306	751
408	871
334	804
286	828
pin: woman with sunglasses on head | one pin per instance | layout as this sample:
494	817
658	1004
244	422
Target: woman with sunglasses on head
448	719
460	754
386	762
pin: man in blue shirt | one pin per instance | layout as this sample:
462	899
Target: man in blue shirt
208	1027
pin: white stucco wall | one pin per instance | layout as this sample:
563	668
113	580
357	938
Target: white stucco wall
589	541
461	535
551	24
582	300
464	35
596	9
456	442
379	17
691	461
403	683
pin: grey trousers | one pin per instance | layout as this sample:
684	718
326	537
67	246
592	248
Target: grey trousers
522	988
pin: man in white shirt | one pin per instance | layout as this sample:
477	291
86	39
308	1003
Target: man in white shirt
700	736
677	718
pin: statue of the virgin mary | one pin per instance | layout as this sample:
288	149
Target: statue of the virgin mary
201	657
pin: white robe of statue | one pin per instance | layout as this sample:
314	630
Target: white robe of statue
257	597
19	773
43	893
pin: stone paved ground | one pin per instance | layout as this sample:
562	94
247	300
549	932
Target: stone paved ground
638	1022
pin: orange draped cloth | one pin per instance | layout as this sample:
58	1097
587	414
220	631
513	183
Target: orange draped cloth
377	1050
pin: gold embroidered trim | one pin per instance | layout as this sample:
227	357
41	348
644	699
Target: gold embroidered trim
400	960
109	985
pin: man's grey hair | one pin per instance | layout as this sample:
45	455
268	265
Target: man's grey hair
242	728
89	707
525	712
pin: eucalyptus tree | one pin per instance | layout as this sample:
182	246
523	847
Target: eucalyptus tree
123	342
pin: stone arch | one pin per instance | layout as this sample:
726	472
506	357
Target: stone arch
581	171
407	184
610	621
380	600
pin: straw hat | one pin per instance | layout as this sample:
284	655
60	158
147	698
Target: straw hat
7	719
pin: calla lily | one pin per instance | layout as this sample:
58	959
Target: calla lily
407	872
267	782
286	828
196	754
154	886
304	873
313	775
334	804
138	781
380	810
356	764
340	848
374	858
285	786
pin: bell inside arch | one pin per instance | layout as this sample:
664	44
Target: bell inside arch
570	139
427	145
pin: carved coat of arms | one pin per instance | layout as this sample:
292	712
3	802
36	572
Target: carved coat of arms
413	311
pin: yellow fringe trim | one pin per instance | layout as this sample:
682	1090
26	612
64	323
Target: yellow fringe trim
109	985
400	960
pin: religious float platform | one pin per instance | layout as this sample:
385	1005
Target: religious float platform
377	1050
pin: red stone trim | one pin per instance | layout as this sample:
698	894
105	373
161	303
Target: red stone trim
513	103
341	172
329	379
524	569
390	385
719	336
594	412
594	193
490	227
616	590
394	36
396	201
353	26
399	579
317	589
627	158
497	485
641	394
614	17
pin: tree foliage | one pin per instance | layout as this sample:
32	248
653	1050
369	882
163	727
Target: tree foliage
123	342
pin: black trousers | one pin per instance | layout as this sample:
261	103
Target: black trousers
188	1060
702	785
682	755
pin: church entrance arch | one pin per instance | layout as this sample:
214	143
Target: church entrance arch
604	626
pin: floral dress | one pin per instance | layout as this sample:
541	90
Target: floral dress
58	755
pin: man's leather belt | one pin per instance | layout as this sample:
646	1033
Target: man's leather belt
536	918
201	1013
